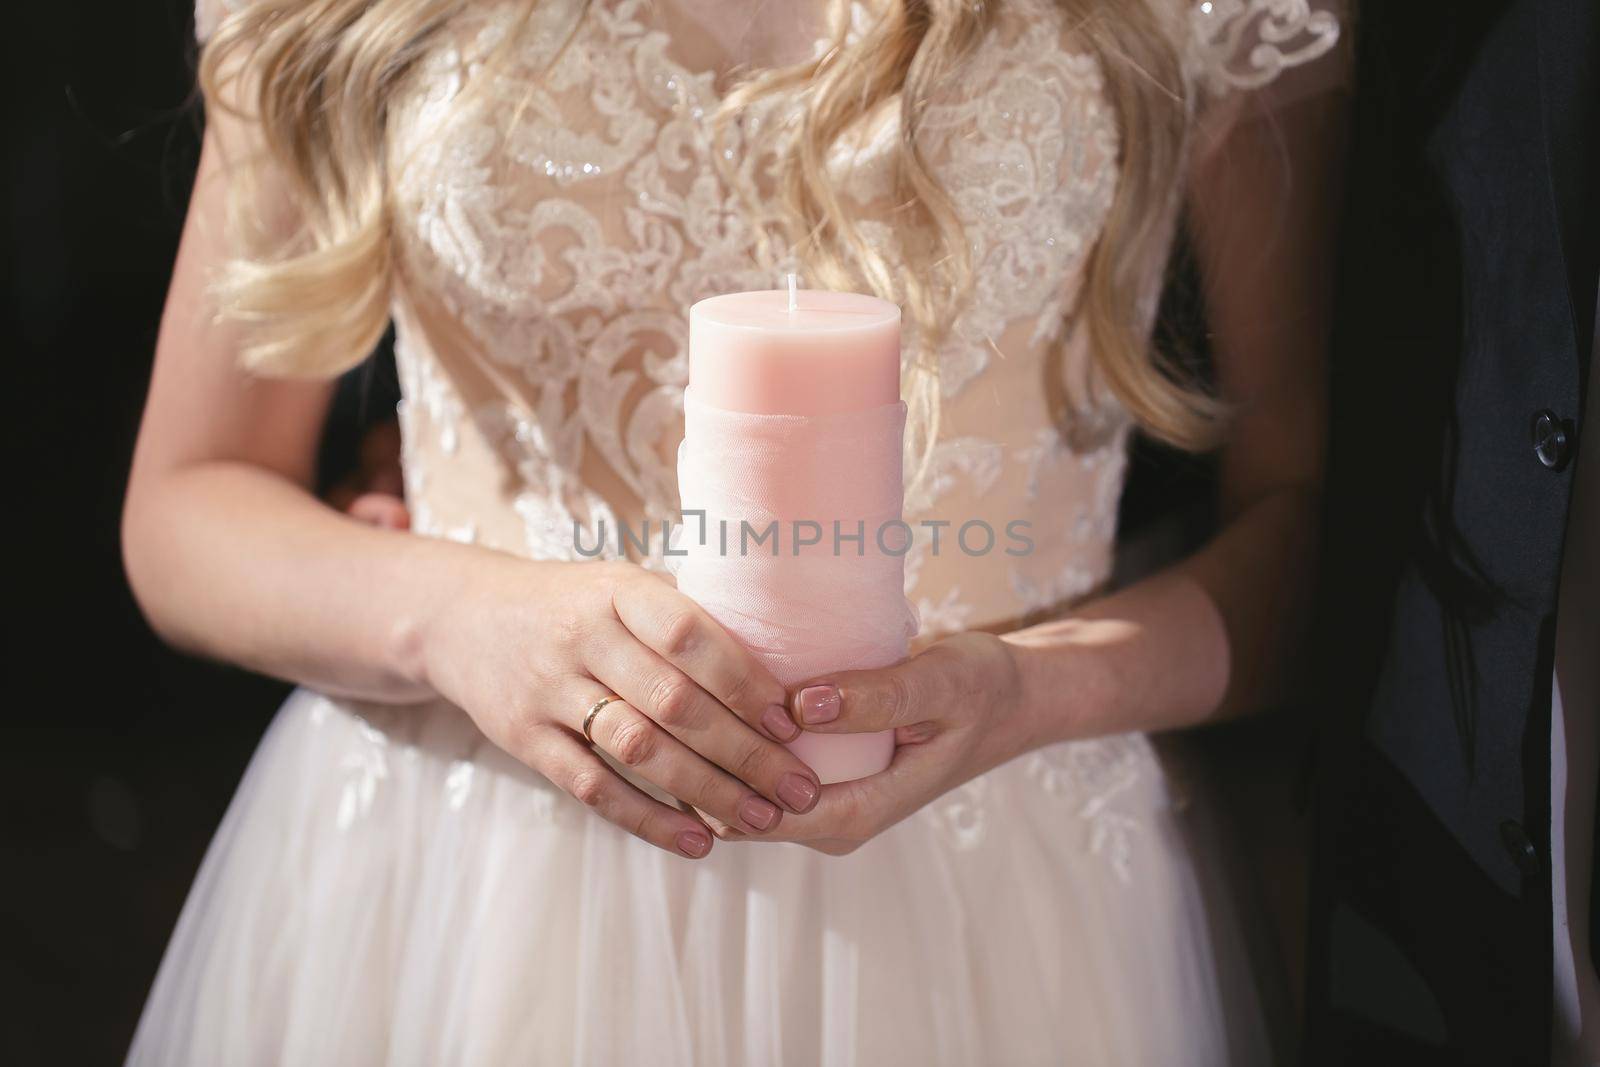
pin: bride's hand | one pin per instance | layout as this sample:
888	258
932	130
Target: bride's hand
956	710
528	648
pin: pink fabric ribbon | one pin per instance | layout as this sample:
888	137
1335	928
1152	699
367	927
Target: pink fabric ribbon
767	484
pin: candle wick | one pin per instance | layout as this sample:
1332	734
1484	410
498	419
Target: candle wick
794	296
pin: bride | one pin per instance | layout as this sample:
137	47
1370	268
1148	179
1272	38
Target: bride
428	861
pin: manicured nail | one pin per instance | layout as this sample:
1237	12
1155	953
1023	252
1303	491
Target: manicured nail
775	720
818	704
759	813
694	844
797	792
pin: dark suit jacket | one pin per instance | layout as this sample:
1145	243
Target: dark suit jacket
1466	309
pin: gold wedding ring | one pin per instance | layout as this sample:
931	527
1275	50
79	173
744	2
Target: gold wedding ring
588	719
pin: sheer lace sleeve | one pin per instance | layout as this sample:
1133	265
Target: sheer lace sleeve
1254	57
1247	44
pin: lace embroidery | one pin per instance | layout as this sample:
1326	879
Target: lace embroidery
961	814
1028	156
1094	776
973	458
1051	461
1244	44
1093	779
1028	159
366	763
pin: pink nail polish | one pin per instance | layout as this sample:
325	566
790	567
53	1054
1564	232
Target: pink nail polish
798	792
759	813
694	844
775	720
818	704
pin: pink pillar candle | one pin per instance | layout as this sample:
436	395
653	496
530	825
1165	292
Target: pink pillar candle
793	416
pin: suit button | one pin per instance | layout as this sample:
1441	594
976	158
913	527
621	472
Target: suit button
1552	439
1521	850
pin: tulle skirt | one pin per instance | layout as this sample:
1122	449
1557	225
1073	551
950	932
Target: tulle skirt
389	888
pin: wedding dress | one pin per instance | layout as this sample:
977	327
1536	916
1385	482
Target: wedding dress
389	887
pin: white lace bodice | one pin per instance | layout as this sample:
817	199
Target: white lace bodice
550	243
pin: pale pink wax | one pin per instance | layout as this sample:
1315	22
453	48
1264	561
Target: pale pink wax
835	352
832	353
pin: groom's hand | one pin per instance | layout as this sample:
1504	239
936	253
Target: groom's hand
956	710
374	492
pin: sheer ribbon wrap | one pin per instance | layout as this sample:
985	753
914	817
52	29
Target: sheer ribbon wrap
800	550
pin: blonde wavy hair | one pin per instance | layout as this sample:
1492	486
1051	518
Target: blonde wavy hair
315	78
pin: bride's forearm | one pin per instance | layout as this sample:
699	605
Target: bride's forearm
235	562
1212	636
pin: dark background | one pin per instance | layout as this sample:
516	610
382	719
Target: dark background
118	756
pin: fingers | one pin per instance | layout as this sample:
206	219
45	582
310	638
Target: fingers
686	712
381	510
655	755
576	768
681	632
869	701
848	814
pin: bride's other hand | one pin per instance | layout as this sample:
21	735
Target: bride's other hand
1150	657
528	648
956	709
